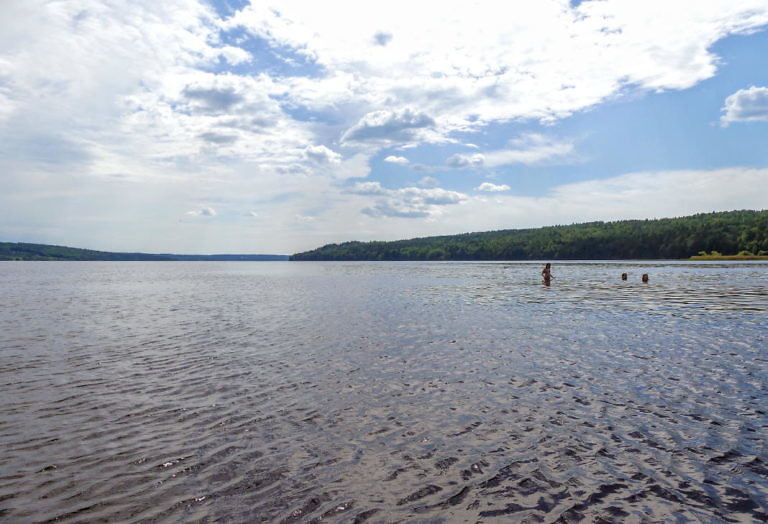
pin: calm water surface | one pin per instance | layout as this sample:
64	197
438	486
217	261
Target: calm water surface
383	392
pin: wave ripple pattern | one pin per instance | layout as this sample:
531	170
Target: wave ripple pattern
383	392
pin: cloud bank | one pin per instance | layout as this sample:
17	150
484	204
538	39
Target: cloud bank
407	202
544	60
144	108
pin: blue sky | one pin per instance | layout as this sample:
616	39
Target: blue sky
205	127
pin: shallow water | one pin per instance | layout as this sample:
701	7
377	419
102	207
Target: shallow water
383	392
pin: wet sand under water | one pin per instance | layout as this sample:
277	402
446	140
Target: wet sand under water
351	392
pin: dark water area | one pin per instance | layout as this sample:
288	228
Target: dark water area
383	392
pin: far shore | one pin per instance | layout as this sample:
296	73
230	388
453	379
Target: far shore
728	257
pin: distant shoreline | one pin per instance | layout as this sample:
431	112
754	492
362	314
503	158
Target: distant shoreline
20	251
742	232
699	258
208	258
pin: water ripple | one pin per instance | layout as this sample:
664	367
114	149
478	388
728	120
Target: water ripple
361	392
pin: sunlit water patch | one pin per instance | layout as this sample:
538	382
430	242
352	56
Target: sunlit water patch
383	392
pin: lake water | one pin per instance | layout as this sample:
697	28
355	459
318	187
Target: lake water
383	392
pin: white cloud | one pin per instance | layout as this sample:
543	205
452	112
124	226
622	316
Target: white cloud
397	209
123	86
746	105
202	212
639	195
667	193
125	109
528	149
6	103
212	99
531	149
487	186
218	138
355	166
461	161
429	181
322	155
386	126
227	111
117	78
235	55
369	188
70	65
435	196
407	202
392	159
472	63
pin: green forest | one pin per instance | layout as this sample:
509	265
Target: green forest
24	251
730	232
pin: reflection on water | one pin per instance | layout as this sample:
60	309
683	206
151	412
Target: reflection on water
350	392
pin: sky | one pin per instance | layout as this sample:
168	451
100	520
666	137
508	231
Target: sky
230	126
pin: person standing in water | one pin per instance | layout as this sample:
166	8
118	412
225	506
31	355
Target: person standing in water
546	274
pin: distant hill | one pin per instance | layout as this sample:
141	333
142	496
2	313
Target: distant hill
24	251
727	232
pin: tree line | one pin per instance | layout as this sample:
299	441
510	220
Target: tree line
26	251
727	232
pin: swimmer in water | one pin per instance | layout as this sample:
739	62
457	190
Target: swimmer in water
546	274
645	278
623	276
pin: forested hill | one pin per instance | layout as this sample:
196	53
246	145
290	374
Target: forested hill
668	238
24	251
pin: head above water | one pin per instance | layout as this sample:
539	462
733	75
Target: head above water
623	276
645	277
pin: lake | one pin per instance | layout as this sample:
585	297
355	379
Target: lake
383	392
